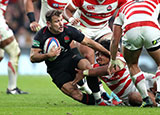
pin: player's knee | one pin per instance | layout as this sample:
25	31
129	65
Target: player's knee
1	59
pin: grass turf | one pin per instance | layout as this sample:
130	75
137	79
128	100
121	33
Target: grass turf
46	99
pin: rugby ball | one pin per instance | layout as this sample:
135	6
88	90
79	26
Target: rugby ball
49	43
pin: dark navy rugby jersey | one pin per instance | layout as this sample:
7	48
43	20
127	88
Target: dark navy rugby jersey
70	33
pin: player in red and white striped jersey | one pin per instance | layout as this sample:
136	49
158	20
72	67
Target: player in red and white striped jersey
46	5
9	45
94	19
137	22
119	81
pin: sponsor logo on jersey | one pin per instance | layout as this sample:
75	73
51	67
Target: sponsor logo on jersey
156	41
55	5
90	7
36	43
66	39
109	8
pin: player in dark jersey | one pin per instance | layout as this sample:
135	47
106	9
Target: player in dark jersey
62	69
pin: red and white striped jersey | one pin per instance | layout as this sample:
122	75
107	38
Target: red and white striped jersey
47	5
144	11
3	6
120	82
95	14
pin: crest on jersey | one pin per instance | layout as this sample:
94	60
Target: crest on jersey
90	7
66	39
109	8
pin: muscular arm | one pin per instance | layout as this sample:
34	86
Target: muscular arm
37	56
99	71
95	45
117	33
29	5
68	12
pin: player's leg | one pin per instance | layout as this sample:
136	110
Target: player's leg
135	98
131	57
10	46
76	94
156	56
93	83
83	83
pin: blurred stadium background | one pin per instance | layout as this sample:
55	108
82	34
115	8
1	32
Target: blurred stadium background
18	22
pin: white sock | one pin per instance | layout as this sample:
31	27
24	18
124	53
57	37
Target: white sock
97	95
12	76
139	81
102	90
86	88
158	80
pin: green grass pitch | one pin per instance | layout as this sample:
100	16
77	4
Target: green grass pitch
46	99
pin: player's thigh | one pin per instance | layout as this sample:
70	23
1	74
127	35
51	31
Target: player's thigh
131	56
84	64
5	31
155	55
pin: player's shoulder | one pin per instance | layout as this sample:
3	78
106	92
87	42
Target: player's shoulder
69	28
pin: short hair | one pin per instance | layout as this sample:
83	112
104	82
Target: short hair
51	13
106	44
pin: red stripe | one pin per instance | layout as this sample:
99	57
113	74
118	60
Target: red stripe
139	78
139	24
126	6
3	11
78	3
44	29
139	12
97	15
87	98
124	88
151	3
157	74
48	44
113	87
92	23
11	67
139	6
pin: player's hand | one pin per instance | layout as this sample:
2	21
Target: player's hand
79	76
35	26
115	65
74	21
54	52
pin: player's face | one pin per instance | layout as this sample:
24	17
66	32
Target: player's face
56	26
101	59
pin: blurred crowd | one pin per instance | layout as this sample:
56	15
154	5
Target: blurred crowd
19	23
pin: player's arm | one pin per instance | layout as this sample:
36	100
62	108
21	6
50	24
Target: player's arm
36	54
95	45
69	10
114	64
29	6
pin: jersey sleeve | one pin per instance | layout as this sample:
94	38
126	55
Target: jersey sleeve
37	41
76	35
118	19
121	2
76	3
